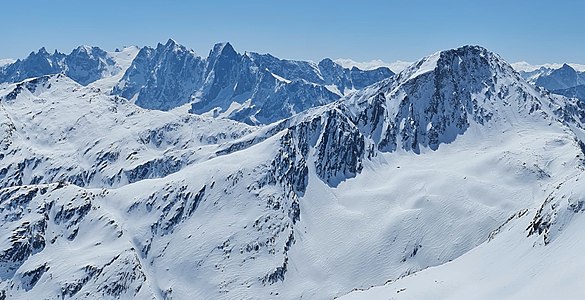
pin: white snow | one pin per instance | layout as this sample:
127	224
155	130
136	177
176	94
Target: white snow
395	67
423	66
123	61
279	78
6	61
511	266
334	89
526	67
404	212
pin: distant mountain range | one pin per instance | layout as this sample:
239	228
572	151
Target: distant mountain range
252	88
567	80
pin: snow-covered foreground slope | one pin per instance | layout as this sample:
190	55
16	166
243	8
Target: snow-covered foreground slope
101	199
511	265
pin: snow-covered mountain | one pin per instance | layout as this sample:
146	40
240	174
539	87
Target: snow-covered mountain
560	79
6	61
523	66
564	80
250	87
84	65
103	199
396	66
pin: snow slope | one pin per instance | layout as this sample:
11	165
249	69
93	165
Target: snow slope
103	199
123	59
508	266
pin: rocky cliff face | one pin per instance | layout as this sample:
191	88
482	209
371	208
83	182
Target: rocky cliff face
563	78
84	65
163	77
250	87
564	81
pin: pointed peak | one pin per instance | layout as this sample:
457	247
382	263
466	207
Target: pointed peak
327	62
171	43
222	49
84	49
41	52
450	59
567	67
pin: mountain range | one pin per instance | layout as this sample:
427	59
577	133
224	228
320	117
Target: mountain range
564	80
252	88
453	178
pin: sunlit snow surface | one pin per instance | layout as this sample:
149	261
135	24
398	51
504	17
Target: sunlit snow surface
102	199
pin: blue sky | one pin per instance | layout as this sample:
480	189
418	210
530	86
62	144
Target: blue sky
535	31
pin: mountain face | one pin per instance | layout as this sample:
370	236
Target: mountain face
564	81
36	64
572	92
84	65
101	198
161	78
250	87
563	78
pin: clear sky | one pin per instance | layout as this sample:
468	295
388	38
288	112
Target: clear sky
535	31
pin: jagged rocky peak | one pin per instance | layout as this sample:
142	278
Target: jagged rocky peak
328	63
36	64
162	78
565	67
87	64
563	78
84	64
467	59
223	64
87	50
253	88
42	52
222	49
172	45
440	97
431	103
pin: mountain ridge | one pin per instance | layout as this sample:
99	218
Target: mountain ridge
250	87
411	172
